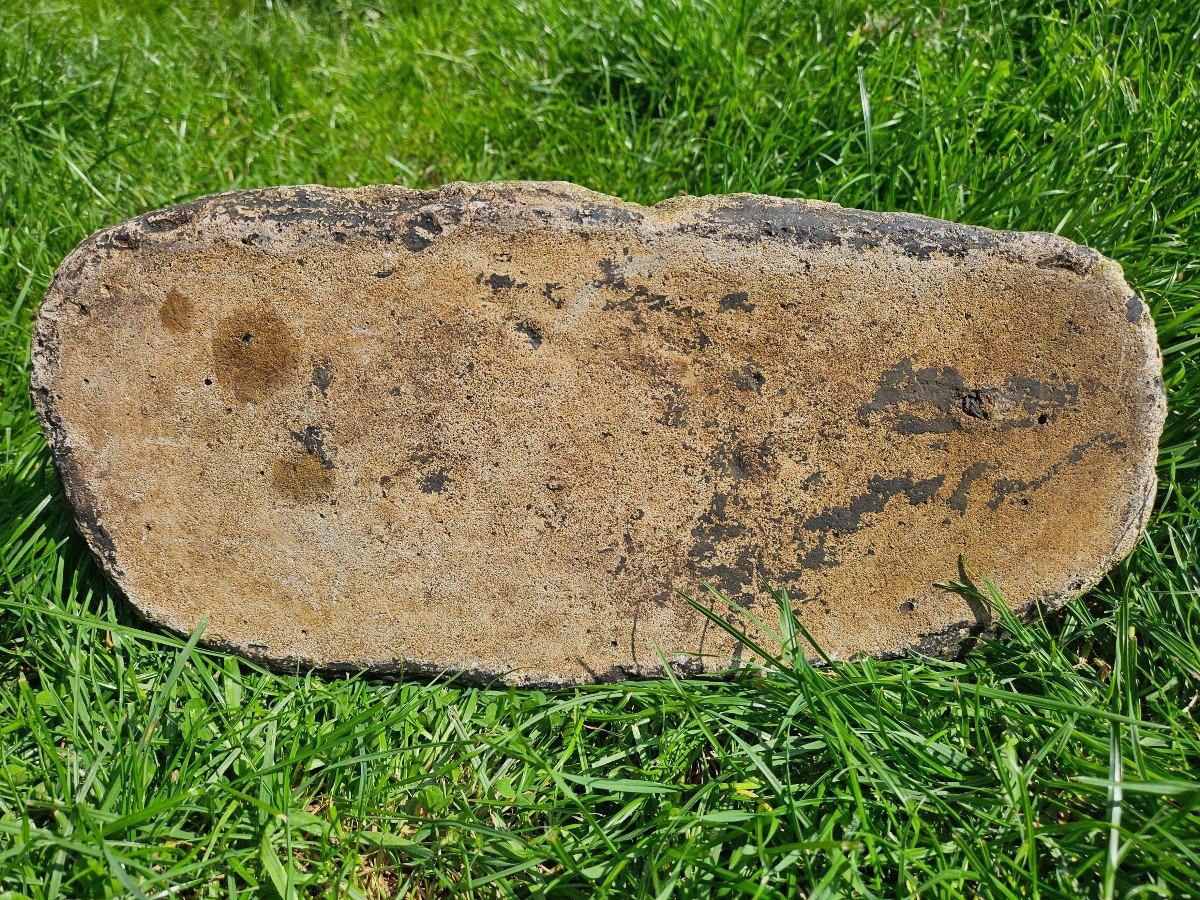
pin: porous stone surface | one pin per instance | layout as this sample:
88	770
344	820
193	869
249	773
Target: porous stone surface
494	430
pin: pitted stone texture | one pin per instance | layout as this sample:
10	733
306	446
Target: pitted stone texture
495	429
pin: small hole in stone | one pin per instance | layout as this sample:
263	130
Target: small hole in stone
246	337
971	403
614	643
1024	501
759	378
1043	418
531	333
907	606
208	382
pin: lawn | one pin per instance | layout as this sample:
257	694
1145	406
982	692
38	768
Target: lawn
1063	761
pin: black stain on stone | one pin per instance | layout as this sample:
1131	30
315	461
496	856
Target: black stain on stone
420	230
1003	488
936	400
121	237
902	387
312	439
723	551
818	556
741	460
736	301
642	298
958	497
435	482
749	377
812	227
718	526
170	219
1134	309
433	475
606	215
675	410
847	519
321	379
422	458
918	401
611	276
498	282
1037	398
1079	260
322	215
729	578
806	226
548	292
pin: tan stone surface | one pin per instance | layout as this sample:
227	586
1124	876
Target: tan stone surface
495	428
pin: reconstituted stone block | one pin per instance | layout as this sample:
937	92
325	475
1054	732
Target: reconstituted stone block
495	429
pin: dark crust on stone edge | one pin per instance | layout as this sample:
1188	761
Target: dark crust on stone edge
743	218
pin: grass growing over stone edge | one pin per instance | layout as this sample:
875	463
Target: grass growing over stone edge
1060	762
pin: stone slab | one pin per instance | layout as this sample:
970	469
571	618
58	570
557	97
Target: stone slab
496	429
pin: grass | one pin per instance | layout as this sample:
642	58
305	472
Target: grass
1062	762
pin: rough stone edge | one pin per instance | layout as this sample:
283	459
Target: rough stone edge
85	261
